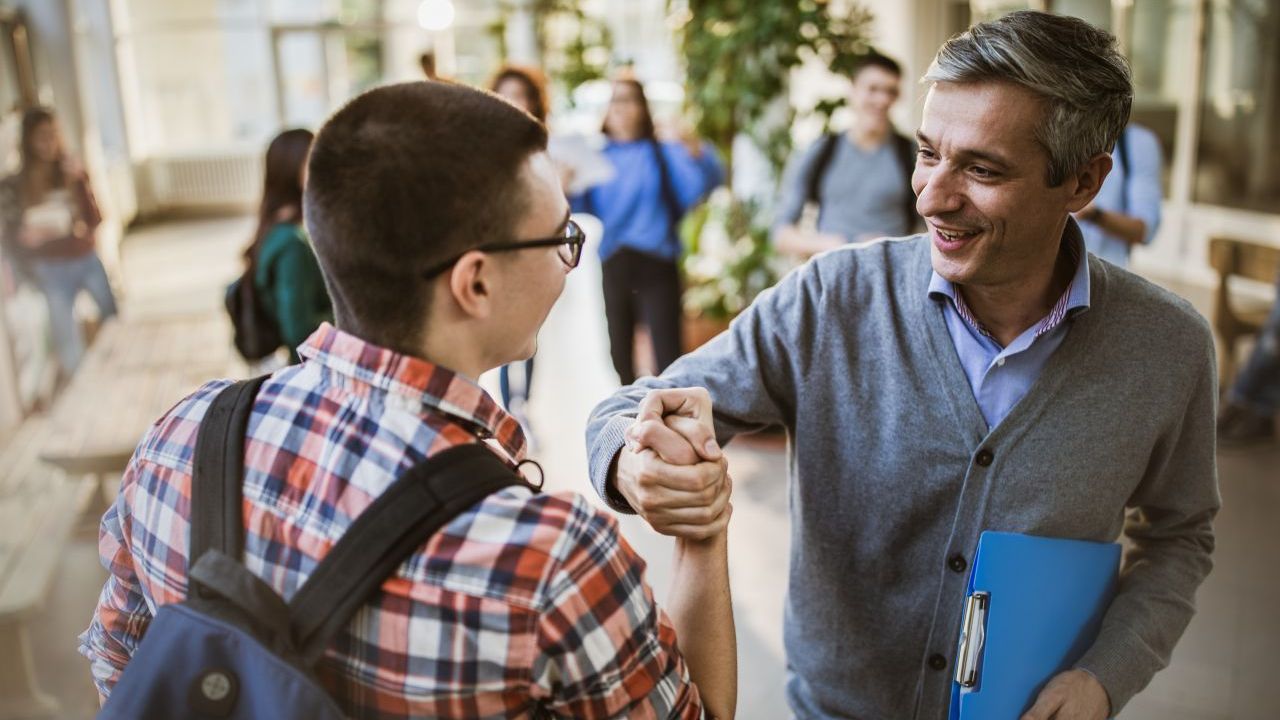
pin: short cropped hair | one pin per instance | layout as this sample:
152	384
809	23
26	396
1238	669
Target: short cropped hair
1076	69
874	59
403	178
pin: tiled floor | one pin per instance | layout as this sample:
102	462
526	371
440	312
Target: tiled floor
1223	668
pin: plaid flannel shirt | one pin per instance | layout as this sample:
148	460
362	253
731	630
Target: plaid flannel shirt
523	601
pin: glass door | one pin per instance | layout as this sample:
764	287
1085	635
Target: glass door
319	68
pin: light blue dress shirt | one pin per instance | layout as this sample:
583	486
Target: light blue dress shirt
1001	376
1132	188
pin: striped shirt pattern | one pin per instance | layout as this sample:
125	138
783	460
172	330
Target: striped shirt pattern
1056	315
524	604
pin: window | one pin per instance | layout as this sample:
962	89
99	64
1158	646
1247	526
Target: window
200	87
1238	150
219	75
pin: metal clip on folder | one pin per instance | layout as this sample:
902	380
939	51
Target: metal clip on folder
972	637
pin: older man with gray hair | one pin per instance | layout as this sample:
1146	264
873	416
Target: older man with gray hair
987	375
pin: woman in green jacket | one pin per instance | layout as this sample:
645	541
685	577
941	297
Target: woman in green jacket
285	272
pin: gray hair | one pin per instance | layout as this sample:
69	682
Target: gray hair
1073	66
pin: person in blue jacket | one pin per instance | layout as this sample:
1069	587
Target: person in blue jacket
654	185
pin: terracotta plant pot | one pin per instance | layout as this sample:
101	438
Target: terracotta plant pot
697	330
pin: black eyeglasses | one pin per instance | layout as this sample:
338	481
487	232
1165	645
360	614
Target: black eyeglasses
570	248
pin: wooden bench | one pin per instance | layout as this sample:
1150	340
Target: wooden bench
131	376
1234	319
39	506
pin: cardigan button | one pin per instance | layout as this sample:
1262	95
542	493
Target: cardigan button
985	457
957	563
937	662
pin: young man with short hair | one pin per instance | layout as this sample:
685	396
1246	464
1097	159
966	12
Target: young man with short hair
445	238
860	179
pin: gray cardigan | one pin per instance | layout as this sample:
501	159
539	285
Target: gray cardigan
894	473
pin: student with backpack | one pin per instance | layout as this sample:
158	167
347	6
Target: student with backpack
1126	212
860	180
654	185
350	536
281	298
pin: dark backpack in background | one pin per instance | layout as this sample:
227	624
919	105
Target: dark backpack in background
256	334
234	649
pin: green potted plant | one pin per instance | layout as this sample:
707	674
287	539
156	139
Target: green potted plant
738	57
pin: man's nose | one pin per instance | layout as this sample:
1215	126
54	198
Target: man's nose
937	192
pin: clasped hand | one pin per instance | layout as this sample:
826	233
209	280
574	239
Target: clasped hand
671	469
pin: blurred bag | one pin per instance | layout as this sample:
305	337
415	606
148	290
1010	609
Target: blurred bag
256	334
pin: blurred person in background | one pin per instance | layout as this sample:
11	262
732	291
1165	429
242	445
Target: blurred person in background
1127	210
654	184
285	274
1248	415
50	218
859	179
427	61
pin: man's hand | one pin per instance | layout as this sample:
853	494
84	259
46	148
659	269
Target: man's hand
1072	695
671	470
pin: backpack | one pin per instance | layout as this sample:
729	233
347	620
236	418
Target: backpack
256	334
234	649
903	150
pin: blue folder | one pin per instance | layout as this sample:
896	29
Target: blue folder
1033	608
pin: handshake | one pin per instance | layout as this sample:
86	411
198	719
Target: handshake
671	469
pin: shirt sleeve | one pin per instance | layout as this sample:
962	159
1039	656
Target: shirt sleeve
793	188
122	614
693	178
605	649
751	371
1142	191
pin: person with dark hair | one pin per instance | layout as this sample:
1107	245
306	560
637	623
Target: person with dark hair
522	86
285	273
655	183
988	375
860	179
445	239
49	219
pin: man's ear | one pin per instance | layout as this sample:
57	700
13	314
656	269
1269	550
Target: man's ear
471	284
1088	181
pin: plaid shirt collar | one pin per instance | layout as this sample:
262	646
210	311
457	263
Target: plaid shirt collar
423	387
1074	300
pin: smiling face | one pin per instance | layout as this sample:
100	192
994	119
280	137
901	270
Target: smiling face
626	115
981	184
873	93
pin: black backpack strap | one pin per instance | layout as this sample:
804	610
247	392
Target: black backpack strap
669	198
218	473
905	149
395	525
818	168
